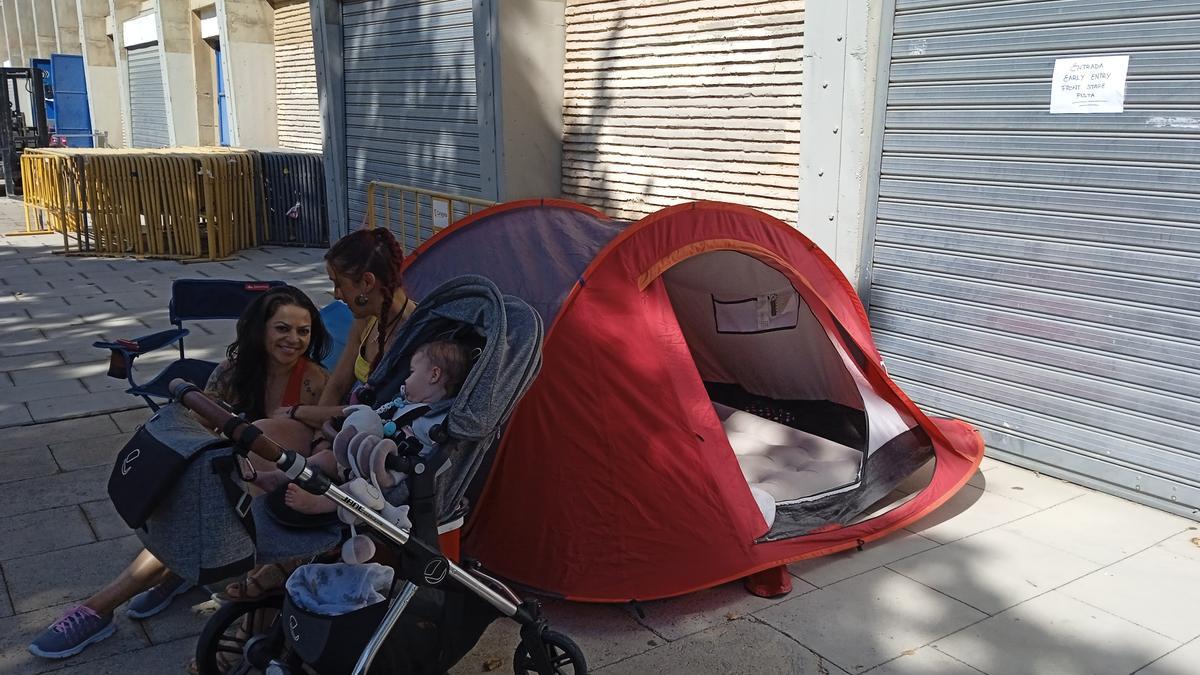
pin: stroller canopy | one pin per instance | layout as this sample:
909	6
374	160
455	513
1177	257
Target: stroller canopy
510	332
712	403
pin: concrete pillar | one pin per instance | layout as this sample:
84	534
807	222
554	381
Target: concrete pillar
530	88
175	40
43	27
122	11
100	64
66	24
204	62
327	43
3	36
248	49
841	60
26	33
12	33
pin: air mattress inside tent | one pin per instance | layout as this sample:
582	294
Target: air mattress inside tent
788	464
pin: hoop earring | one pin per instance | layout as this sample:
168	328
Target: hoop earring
361	300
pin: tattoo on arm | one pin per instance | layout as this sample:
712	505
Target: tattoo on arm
215	385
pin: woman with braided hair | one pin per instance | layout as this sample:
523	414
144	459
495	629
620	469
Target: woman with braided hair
364	267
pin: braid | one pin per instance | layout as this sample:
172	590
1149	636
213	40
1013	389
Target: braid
392	256
395	255
381	326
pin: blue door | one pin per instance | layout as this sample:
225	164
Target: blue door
48	83
222	103
72	117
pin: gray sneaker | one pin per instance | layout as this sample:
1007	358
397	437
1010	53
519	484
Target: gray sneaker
148	603
72	633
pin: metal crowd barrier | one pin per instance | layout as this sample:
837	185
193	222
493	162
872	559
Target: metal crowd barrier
174	203
293	198
415	214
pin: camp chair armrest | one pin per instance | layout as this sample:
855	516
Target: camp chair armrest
146	343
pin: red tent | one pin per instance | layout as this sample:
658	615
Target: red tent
711	405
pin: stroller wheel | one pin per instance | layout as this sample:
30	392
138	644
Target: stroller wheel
241	637
566	658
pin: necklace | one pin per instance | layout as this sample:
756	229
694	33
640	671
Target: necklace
394	321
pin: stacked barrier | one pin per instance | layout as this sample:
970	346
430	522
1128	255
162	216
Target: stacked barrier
293	198
51	197
175	203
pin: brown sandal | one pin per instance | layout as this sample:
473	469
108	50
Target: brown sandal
261	582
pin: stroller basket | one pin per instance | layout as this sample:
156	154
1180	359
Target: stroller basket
330	644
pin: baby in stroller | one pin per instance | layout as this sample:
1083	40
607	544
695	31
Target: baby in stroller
438	369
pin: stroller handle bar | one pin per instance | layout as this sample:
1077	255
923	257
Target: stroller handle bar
248	436
234	427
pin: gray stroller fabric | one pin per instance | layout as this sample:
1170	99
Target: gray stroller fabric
194	530
510	360
280	543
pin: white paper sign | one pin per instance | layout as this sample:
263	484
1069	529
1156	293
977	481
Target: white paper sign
441	213
1092	84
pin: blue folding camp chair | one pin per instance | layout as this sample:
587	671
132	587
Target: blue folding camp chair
191	300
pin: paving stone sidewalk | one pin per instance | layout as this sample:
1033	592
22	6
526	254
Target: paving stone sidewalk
1018	573
53	307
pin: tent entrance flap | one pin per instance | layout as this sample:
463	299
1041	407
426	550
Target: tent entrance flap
798	413
792	412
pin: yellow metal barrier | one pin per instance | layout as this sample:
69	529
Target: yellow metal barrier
415	214
177	203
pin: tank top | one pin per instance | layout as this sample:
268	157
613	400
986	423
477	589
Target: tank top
291	395
362	367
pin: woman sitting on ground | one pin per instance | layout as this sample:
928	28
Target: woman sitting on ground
273	363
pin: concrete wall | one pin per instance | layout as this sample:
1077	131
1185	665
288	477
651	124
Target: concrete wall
327	38
43	27
248	50
26	31
12	34
66	25
100	62
841	60
175	41
3	38
531	91
120	12
204	62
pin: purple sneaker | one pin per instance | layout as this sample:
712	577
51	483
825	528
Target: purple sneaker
72	633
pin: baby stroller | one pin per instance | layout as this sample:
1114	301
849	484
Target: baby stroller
442	606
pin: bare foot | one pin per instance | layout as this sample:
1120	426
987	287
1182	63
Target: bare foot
297	499
269	481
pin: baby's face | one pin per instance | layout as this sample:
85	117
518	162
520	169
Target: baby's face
422	385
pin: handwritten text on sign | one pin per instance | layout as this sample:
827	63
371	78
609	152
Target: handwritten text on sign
1093	84
441	213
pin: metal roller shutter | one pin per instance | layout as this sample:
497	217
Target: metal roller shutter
147	99
411	101
299	114
1037	274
